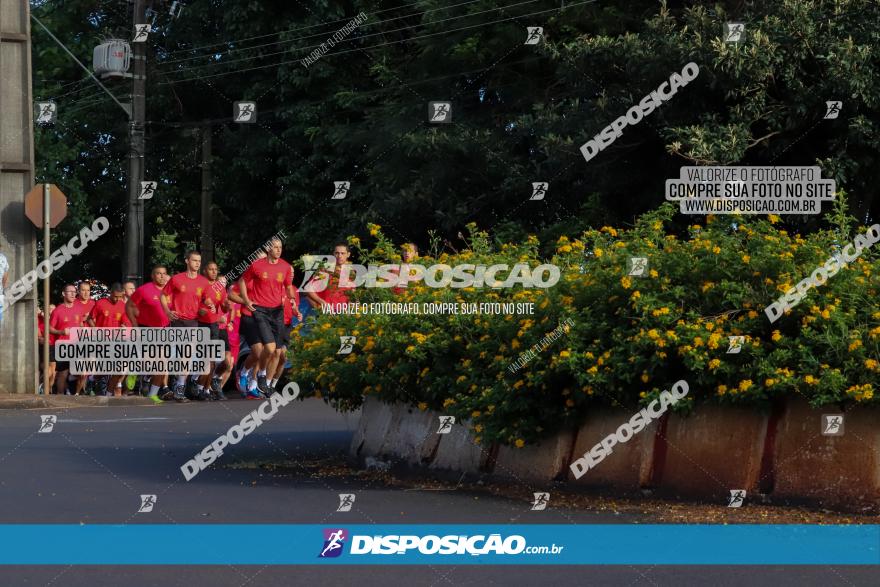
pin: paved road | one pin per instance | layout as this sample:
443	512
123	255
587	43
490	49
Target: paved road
97	462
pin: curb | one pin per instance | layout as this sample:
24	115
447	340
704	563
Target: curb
23	402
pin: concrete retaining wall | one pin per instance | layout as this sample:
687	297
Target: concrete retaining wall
703	455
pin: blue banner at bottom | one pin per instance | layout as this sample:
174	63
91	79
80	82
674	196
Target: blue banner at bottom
382	544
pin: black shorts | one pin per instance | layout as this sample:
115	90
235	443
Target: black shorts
247	328
217	333
285	335
59	366
269	324
185	324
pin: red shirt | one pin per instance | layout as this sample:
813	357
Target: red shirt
288	306
233	318
87	308
63	317
41	326
217	294
267	281
332	294
146	300
107	314
186	294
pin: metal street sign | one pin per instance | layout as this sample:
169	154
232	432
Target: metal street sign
33	205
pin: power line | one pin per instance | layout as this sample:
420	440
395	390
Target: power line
375	46
321	34
347	40
300	29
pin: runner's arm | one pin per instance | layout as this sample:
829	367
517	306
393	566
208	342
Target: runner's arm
132	312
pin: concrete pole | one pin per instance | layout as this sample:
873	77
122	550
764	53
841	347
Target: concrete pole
134	233
18	334
207	244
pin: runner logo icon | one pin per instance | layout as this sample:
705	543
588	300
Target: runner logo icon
334	541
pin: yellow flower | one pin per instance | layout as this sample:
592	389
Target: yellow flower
769	382
746	258
518	384
598	252
776	336
565	354
410	348
753	314
855	344
714	363
564	249
871	364
609	230
716	249
423	406
653	273
810	380
636	295
826	314
520	443
745	384
773	218
478	428
626	282
353	240
707	286
645	378
722	389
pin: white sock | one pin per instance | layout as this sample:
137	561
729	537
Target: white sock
200	387
262	373
274	381
154	390
246	372
252	384
181	380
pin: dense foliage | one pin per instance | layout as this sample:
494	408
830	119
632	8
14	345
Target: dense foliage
520	112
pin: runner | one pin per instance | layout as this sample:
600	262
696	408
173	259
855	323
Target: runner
215	321
279	363
64	317
110	313
181	300
268	278
409	252
144	309
128	288
324	287
233	321
85	302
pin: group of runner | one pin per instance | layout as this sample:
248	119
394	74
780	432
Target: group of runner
259	307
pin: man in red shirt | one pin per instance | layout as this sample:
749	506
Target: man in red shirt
85	302
215	321
248	331
64	317
324	287
280	361
181	300
128	288
110	313
144	309
261	287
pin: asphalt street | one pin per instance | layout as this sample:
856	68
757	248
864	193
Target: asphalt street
96	462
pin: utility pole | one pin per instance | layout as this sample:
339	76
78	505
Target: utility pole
18	352
207	240
134	234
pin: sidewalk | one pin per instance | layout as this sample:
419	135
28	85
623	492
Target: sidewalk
22	401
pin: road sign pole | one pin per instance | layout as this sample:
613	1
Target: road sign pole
46	222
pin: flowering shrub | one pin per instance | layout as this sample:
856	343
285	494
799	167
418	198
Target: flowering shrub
631	337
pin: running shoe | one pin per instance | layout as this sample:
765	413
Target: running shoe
217	389
263	386
179	395
205	395
166	394
156	399
242	382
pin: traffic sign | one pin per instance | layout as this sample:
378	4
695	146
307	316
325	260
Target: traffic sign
33	205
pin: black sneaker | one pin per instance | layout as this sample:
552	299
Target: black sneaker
179	395
166	394
205	395
217	389
263	385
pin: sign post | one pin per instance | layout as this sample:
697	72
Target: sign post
45	206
